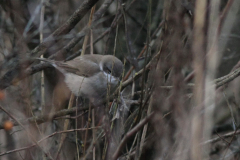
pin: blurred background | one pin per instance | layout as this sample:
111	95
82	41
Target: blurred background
179	94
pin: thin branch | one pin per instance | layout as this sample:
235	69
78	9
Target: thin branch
51	135
41	49
45	118
224	14
65	28
29	134
227	135
138	74
153	37
130	134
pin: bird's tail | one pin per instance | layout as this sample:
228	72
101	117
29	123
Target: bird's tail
53	63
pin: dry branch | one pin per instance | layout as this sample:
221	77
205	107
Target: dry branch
45	118
6	80
131	133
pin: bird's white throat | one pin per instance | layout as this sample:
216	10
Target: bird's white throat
111	79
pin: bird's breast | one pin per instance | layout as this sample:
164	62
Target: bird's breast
95	86
75	83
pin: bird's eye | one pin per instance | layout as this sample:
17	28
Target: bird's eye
108	71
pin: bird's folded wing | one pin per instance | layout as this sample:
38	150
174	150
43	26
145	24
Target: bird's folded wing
81	67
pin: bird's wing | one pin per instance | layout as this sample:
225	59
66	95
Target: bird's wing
81	67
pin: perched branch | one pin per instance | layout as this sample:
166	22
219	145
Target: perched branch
44	118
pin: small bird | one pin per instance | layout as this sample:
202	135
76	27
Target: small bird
91	76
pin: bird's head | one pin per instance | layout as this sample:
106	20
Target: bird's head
112	67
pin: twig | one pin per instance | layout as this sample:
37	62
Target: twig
30	135
224	14
222	19
138	74
144	49
65	126
228	78
227	135
130	134
81	34
65	28
53	134
41	49
84	47
45	118
41	40
88	123
130	56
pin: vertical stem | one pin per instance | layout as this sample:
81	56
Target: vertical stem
212	61
91	34
41	40
144	132
65	126
87	34
199	66
93	133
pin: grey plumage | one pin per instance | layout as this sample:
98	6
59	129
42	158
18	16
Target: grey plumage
90	75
